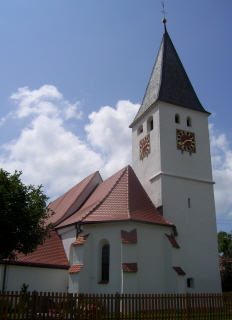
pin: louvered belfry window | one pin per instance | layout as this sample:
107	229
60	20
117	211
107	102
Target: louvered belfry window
189	122
177	118
105	262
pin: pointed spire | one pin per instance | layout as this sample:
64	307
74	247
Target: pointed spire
169	81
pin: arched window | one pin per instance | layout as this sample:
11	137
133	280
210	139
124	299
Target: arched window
140	129
150	124
177	118
189	122
105	262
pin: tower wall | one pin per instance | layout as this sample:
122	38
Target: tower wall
151	165
181	182
196	164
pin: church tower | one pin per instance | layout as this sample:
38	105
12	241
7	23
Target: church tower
171	157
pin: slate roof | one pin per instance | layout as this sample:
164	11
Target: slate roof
51	255
169	81
61	205
119	198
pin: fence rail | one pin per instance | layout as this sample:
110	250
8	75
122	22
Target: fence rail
36	306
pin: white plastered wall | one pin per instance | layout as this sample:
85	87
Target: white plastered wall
68	236
153	263
196	228
172	259
150	165
196	165
174	179
188	197
151	253
39	279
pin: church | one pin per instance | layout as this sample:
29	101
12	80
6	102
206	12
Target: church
149	228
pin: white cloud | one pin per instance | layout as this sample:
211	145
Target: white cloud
46	100
50	154
222	171
4	119
109	132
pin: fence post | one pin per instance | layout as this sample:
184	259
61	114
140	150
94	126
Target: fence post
178	306
33	306
187	305
117	306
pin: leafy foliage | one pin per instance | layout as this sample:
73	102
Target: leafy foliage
225	243
24	287
225	251
23	215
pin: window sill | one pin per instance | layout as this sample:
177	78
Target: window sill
103	282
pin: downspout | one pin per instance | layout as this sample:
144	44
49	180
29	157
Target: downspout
78	228
4	278
121	289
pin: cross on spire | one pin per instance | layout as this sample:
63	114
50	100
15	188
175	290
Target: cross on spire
164	12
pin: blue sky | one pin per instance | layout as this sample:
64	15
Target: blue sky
71	69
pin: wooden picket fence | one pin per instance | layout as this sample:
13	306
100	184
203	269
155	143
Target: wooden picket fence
34	305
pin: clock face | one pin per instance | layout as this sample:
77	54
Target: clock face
144	146
185	140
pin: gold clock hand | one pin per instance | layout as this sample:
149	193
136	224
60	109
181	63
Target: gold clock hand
181	143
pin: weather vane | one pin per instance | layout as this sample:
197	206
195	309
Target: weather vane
164	12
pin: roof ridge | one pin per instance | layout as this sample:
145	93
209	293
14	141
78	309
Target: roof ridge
128	197
66	193
98	203
161	49
82	204
63	195
119	198
143	190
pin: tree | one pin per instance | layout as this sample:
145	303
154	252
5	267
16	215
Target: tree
23	216
225	243
225	259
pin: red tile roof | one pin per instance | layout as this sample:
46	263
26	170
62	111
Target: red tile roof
129	237
80	240
119	198
172	240
50	254
75	268
94	201
61	205
179	271
129	267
